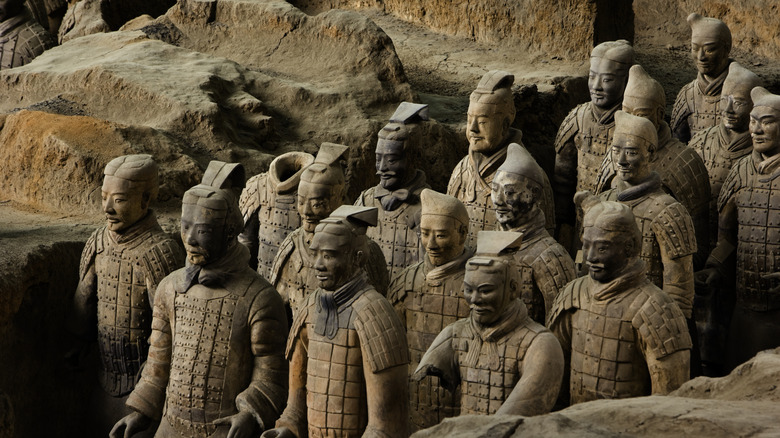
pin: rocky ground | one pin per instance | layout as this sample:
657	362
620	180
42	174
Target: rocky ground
244	80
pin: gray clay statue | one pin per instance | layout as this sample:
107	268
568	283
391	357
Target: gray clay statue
397	196
427	297
545	266
585	135
488	129
21	37
216	363
697	106
621	335
503	361
347	347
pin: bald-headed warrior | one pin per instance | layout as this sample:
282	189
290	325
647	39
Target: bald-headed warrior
216	364
121	266
488	129
347	347
320	191
503	361
621	335
585	135
397	196
683	174
22	39
545	265
427	297
697	106
269	205
748	231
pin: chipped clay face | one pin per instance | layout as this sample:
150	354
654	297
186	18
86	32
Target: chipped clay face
486	291
765	130
124	203
442	237
486	129
605	253
390	164
514	198
203	234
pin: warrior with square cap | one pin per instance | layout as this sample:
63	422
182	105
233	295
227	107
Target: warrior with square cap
397	196
427	297
585	135
683	174
621	335
347	347
22	39
697	106
320	191
488	129
216	363
269	206
545	266
121	267
503	361
749	228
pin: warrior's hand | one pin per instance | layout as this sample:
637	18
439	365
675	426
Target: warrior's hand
772	276
279	432
131	425
426	370
707	277
242	425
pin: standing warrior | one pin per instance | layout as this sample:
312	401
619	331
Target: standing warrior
347	347
721	146
320	191
121	266
268	204
697	106
586	134
545	266
216	365
427	297
488	129
22	39
397	197
621	335
504	362
683	174
749	207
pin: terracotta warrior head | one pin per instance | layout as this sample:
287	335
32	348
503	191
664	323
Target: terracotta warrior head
444	225
517	188
130	184
392	157
491	112
765	122
610	237
644	96
341	245
210	217
322	186
10	8
609	64
492	276
710	44
634	141
735	100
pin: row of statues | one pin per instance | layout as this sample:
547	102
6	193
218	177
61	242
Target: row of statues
290	314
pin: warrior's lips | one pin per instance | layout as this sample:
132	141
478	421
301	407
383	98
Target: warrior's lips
503	210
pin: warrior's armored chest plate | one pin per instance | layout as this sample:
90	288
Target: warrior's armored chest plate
203	328
645	212
397	234
277	217
705	110
593	140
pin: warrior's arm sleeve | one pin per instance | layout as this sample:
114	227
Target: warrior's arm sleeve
294	415
678	281
148	397
560	326
727	222
267	391
540	381
249	238
83	321
681	130
387	393
440	361
669	372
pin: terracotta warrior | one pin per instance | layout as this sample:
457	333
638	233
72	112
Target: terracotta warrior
347	347
320	191
216	364
621	335
397	197
683	174
488	129
503	361
749	208
21	38
269	206
545	266
121	267
585	135
427	297
697	106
